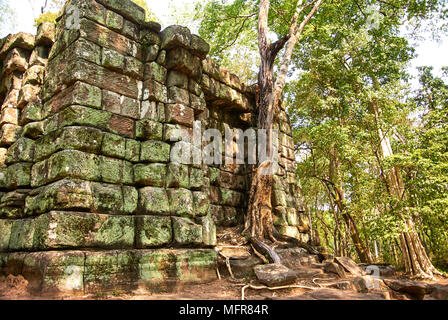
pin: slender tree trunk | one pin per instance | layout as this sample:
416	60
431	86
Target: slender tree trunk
339	195
415	258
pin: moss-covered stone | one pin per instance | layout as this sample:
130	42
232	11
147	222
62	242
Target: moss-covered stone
5	234
22	235
153	231
77	138
66	194
66	164
150	174
156	266
52	272
116	171
132	152
21	151
174	36
114	21
196	265
116	232
156	72
208	230
110	270
107	198
112	59
64	230
197	179
149	129
130	200
177	176
84	116
153	201
201	203
155	151
113	146
30	113
186	232
279	198
181	202
18	175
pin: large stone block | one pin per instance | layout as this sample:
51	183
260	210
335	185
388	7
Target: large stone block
175	36
81	70
179	114
155	151
129	9
132	152
112	59
153	201
181	202
110	271
156	72
116	171
113	146
19	40
65	194
186	232
75	138
78	94
177	176
66	230
5	234
22	235
201	203
197	265
183	60
199	46
208	230
54	272
155	91
149	129
45	34
21	151
18	175
153	231
107	38
69	164
153	174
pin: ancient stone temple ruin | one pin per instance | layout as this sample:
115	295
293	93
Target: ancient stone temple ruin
90	109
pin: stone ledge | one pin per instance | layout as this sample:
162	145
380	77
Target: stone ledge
78	272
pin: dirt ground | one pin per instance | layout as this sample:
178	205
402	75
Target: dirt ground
14	288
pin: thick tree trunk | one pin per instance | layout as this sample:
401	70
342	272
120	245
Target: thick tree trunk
259	219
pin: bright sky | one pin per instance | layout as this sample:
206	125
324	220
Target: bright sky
429	52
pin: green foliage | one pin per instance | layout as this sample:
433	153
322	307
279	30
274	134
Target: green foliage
46	17
150	16
426	163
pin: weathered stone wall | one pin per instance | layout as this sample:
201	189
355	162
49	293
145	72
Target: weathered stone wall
90	111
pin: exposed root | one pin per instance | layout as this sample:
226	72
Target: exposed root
250	286
263	248
259	255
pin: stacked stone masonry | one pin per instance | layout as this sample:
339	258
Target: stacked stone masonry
90	110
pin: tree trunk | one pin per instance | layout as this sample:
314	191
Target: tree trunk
259	219
415	258
339	198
